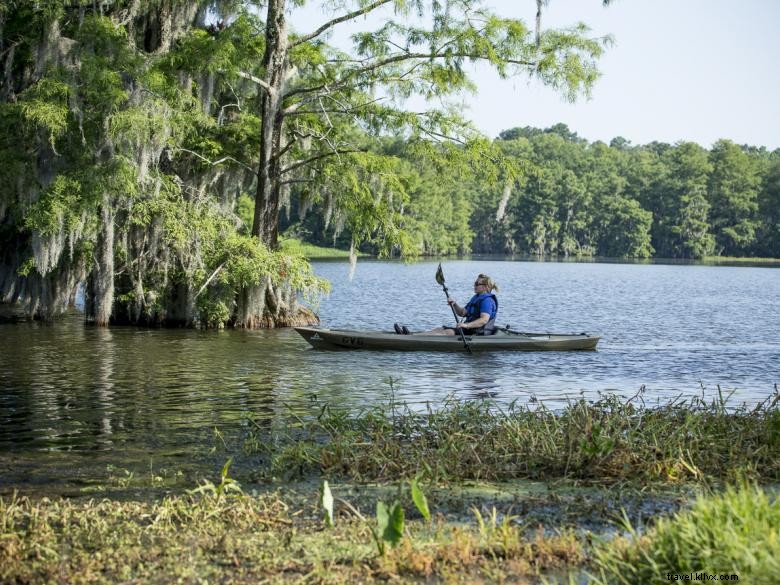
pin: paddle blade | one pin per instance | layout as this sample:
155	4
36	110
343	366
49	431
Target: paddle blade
440	275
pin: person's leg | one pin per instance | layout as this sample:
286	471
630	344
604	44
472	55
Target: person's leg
438	331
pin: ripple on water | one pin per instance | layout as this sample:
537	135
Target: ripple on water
135	393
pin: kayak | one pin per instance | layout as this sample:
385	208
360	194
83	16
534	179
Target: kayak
503	339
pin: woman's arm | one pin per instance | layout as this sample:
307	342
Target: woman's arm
460	311
477	323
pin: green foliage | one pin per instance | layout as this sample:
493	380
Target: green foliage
45	104
610	440
419	499
768	237
226	485
390	525
733	533
326	501
733	192
58	209
576	198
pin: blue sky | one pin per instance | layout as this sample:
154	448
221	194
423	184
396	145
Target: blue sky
696	70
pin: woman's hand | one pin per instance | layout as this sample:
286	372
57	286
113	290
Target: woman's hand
456	307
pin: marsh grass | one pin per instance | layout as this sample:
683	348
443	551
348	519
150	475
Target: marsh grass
238	538
608	440
736	532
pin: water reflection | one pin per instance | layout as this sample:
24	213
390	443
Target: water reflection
89	396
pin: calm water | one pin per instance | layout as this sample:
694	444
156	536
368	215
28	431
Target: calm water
75	399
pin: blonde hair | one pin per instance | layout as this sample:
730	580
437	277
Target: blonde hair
490	284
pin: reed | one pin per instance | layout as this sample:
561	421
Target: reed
610	439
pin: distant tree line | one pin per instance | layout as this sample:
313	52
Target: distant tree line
571	197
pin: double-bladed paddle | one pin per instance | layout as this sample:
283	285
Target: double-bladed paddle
440	280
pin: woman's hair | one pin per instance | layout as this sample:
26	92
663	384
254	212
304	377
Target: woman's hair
491	285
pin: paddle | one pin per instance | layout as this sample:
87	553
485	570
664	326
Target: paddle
440	280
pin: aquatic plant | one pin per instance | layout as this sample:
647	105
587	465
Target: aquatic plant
226	485
609	439
389	527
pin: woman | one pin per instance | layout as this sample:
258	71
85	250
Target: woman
480	312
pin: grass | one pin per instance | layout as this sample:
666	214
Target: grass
733	533
737	259
598	459
595	457
311	251
211	535
611	440
244	539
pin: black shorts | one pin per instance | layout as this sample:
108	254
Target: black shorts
480	331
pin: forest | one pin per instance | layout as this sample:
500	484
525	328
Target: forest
153	152
577	198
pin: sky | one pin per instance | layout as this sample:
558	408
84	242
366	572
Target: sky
697	70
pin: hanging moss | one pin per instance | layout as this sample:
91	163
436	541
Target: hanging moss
131	146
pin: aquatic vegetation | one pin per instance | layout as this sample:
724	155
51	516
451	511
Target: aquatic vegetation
389	519
608	440
219	533
226	485
733	533
244	539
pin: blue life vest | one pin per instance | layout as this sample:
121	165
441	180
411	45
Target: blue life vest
474	310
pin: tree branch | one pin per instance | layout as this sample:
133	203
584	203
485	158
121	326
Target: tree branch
390	61
256	80
338	20
291	181
335	111
217	162
210	278
301	163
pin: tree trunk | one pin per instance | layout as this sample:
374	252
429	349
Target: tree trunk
100	290
264	305
266	219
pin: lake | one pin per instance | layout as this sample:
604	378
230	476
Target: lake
75	400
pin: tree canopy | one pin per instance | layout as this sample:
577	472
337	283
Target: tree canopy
133	129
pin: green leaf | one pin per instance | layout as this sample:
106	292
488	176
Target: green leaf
226	467
382	516
420	500
390	522
326	499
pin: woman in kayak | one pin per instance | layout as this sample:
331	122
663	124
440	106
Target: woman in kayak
480	312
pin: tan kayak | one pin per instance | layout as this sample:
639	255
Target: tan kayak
502	340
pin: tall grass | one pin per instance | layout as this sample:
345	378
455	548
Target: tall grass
609	439
733	533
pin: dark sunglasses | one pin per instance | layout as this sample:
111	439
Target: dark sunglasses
478	283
